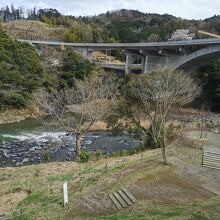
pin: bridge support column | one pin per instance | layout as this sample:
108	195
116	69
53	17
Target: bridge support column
144	64
152	62
128	65
85	53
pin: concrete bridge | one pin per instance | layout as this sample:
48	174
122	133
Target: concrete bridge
188	55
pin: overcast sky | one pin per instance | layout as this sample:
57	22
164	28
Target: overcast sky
191	9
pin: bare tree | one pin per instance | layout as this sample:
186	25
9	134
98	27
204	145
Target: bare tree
78	108
203	113
153	95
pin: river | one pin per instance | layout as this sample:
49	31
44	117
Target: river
33	141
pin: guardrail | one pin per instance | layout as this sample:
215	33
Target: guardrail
167	44
117	66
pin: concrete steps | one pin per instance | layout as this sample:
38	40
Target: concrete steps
211	158
122	199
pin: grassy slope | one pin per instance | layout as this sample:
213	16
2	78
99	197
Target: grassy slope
35	192
34	30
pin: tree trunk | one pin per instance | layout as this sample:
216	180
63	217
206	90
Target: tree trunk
159	137
163	147
201	128
78	146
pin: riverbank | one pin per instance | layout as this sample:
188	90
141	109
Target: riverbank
180	117
10	116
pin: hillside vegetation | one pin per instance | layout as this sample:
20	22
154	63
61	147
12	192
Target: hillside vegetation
117	26
21	71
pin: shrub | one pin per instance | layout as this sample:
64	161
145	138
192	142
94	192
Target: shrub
75	67
84	156
46	156
137	149
120	153
148	141
124	153
116	153
98	154
14	99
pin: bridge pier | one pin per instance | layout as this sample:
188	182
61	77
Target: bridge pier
151	62
86	53
128	64
143	58
144	64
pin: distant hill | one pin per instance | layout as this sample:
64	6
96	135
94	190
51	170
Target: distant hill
128	15
134	26
116	26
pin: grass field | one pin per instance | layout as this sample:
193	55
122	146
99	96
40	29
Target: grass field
162	192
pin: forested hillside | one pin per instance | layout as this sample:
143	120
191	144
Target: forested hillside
21	71
116	26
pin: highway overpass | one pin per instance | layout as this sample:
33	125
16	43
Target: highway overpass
187	54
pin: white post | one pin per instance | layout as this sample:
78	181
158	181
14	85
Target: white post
65	194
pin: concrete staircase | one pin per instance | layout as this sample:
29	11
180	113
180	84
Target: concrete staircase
211	158
122	199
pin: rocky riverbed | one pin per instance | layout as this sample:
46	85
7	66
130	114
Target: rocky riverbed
34	148
31	142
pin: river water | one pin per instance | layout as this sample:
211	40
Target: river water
32	142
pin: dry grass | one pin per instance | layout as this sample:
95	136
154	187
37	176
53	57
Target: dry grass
10	201
188	154
35	192
170	189
34	30
98	56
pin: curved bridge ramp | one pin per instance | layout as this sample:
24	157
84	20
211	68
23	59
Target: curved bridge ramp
122	199
211	158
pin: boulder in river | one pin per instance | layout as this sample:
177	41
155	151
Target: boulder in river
25	160
5	154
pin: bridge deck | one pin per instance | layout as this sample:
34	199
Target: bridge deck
164	45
